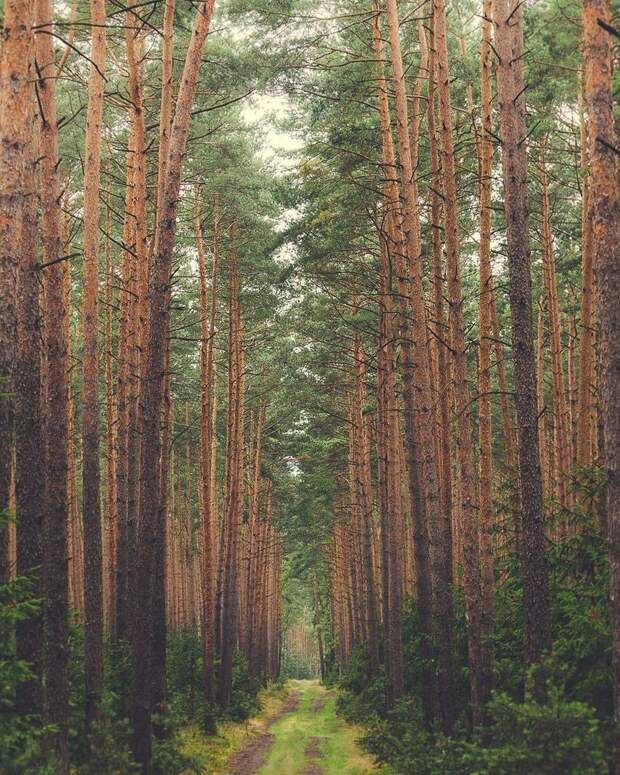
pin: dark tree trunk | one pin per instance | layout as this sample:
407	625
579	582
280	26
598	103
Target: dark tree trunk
29	442
508	20
93	589
55	577
151	516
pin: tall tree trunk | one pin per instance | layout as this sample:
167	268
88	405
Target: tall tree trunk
158	633
124	482
16	57
364	489
606	238
30	462
93	641
561	414
508	20
440	549
151	517
444	456
480	668
540	401
209	525
485	438
391	508
56	401
234	499
111	420
586	412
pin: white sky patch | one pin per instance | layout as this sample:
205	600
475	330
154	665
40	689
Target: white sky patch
267	113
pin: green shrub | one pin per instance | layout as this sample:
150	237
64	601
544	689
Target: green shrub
560	736
362	695
244	701
523	739
184	675
21	737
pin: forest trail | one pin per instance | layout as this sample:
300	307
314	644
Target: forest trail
305	738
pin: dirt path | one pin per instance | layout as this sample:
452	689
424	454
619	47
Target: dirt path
304	738
251	758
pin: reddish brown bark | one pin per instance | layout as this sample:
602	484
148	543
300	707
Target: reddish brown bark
16	58
29	457
151	517
125	481
208	309
93	641
586	411
485	322
479	659
441	339
364	494
428	511
56	400
111	418
561	415
606	239
234	488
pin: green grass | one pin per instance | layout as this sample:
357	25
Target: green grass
341	755
214	751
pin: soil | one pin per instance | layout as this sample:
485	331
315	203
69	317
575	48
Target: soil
250	759
313	754
318	705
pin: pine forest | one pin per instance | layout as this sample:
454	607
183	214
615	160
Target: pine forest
309	387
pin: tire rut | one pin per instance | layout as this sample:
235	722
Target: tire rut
250	759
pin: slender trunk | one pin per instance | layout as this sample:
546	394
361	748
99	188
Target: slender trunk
561	415
30	464
234	500
485	430
318	626
56	419
364	489
165	110
444	456
16	56
480	668
93	642
209	526
111	419
151	517
391	516
429	514
123	410
508	20
540	401
606	239
586	411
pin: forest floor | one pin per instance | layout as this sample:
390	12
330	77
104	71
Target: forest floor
297	733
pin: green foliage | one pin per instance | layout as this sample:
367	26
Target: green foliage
111	754
362	695
244	699
560	736
293	666
167	754
21	737
567	734
184	675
